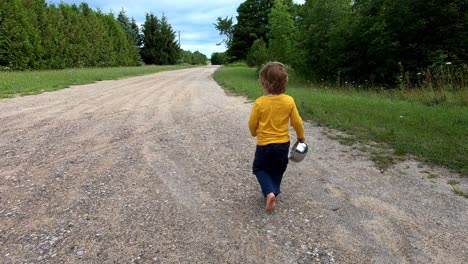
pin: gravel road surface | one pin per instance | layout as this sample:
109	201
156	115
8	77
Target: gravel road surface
157	169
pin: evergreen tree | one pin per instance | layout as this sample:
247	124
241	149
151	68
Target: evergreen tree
159	42
168	43
135	29
150	52
17	40
130	27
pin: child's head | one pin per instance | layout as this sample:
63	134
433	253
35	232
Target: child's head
274	78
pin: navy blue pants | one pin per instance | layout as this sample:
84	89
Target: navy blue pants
269	165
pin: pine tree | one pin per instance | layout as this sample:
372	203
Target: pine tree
159	44
17	42
150	53
169	45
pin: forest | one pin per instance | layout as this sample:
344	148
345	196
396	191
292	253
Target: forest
363	42
35	35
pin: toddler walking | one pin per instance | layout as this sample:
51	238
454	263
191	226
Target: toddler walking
269	122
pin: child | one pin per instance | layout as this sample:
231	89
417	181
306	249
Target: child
269	122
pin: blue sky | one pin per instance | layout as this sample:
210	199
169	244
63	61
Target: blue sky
193	18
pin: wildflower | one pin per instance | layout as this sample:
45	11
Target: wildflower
448	63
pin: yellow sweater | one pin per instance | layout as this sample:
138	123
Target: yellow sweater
269	119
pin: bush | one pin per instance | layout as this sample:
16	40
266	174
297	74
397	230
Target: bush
219	58
258	54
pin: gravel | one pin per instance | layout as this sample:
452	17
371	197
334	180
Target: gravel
157	169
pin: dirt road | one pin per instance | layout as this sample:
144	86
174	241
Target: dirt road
156	169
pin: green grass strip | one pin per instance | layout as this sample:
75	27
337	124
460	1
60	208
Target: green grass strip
436	134
33	82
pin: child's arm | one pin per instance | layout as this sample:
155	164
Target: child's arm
296	122
254	119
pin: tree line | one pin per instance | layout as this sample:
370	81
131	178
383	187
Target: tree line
35	35
374	41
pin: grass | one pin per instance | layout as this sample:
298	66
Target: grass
460	192
33	82
453	182
435	133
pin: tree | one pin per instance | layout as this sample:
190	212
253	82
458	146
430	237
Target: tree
132	31
169	45
258	54
130	27
225	27
193	58
282	33
219	58
18	39
252	24
150	52
36	36
323	38
159	42
392	37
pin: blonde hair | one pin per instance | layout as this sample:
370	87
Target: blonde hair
274	77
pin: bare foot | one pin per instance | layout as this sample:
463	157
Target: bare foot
270	203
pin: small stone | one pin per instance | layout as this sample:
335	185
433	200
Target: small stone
80	253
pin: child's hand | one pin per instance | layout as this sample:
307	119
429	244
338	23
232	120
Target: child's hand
302	140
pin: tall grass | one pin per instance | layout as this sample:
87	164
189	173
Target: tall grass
437	78
33	82
435	133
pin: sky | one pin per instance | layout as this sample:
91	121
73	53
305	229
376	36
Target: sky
194	19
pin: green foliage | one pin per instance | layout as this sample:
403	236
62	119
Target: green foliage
252	24
258	54
436	133
225	27
34	35
18	39
193	58
219	58
385	43
323	35
133	33
282	33
159	42
383	40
